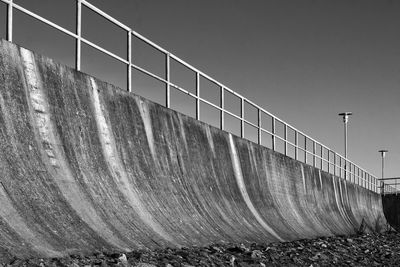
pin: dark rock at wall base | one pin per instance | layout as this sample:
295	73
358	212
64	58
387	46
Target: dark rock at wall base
358	250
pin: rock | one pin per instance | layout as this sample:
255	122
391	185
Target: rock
123	260
232	260
256	254
244	248
235	249
360	250
143	264
215	249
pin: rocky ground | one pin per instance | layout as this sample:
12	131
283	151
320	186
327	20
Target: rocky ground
360	250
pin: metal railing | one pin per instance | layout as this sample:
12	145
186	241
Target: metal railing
390	185
311	151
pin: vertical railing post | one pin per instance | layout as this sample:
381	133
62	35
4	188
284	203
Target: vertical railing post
222	106
334	163
356	171
305	150
314	151
285	148
168	78
197	96
372	182
329	160
369	181
78	52
259	126
350	171
363	179
242	117
296	143
10	21
273	134
322	158
350	168
129	61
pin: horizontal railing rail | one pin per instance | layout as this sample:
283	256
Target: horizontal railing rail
322	156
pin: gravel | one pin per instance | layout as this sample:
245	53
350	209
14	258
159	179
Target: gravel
360	250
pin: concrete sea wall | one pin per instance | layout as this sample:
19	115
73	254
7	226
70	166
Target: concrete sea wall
85	166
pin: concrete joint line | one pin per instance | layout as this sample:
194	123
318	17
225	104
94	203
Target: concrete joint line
117	169
48	140
243	191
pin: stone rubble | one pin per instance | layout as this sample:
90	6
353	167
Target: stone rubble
360	250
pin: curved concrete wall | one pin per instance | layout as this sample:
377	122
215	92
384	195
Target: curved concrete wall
85	166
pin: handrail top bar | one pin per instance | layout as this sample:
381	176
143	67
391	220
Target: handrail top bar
46	21
104	14
151	43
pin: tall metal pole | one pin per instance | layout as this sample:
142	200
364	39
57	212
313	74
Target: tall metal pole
78	52
345	116
383	154
10	21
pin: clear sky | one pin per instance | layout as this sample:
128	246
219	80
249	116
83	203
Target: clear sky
304	61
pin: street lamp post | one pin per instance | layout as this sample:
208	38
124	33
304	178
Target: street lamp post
383	154
345	116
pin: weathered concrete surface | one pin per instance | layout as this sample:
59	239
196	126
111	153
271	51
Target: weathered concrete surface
85	166
391	209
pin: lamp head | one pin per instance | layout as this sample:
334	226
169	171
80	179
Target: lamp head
345	116
383	152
